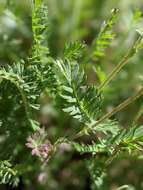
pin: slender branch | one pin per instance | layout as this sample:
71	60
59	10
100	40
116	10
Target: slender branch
122	63
119	107
138	115
108	115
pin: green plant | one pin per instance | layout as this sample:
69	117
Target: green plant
65	82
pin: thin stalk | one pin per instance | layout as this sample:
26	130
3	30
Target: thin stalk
122	63
119	107
108	115
7	3
75	17
138	115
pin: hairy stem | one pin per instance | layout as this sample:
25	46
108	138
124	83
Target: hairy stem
138	115
120	107
122	63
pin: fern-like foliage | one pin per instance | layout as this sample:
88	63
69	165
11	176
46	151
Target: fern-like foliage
22	84
31	79
107	127
129	139
27	89
8	174
105	36
14	76
74	50
125	139
94	148
83	102
97	172
40	61
39	28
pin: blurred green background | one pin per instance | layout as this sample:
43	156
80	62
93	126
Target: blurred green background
71	20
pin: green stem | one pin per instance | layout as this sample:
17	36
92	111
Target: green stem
119	107
138	115
122	63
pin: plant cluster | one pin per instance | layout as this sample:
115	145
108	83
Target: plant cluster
97	137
